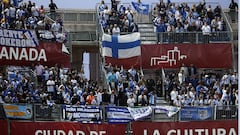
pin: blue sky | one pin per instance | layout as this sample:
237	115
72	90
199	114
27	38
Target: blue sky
90	4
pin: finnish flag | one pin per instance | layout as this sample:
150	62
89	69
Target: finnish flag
121	46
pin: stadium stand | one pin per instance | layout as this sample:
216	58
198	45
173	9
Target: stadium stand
128	87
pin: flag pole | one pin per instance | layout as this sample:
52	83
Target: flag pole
163	81
238	71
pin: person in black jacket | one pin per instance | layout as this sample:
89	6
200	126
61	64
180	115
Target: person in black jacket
52	6
122	97
233	8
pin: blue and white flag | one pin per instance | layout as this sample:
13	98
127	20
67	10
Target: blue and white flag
141	8
122	50
121	46
169	110
16	2
84	114
140	113
116	114
189	113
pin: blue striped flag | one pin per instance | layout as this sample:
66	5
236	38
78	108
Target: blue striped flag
123	49
141	8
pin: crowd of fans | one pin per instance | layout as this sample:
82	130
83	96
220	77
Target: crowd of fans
117	18
57	85
214	89
27	15
183	17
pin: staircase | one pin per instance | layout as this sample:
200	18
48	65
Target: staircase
234	26
148	36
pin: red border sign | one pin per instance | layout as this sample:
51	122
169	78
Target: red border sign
47	53
186	128
3	127
173	55
65	128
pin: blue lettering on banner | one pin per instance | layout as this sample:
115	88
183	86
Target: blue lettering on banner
84	114
195	113
118	114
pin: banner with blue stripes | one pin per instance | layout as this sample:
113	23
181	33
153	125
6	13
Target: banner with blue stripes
83	114
196	113
118	114
141	8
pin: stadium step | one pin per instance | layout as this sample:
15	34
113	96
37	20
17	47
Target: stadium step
161	115
148	36
148	42
161	101
146	30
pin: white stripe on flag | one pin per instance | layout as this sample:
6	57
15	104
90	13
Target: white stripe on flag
128	53
129	37
107	37
106	52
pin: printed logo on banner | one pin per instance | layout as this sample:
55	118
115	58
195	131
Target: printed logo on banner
140	113
50	36
84	114
172	57
118	114
169	110
195	113
18	111
18	38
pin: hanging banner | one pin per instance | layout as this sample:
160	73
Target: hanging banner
22	48
4	127
189	113
122	50
18	38
65	128
173	55
117	114
85	114
140	113
227	127
169	110
47	53
18	111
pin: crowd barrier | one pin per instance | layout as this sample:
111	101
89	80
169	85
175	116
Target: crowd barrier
194	37
115	114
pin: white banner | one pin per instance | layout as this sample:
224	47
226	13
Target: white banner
140	113
169	110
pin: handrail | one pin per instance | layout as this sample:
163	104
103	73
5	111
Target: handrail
55	113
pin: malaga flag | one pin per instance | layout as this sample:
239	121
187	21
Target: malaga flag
122	50
141	8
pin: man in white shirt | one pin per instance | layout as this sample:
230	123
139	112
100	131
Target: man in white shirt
116	30
173	95
56	27
50	85
206	30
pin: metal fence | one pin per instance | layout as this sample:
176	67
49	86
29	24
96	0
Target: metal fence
55	113
194	37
